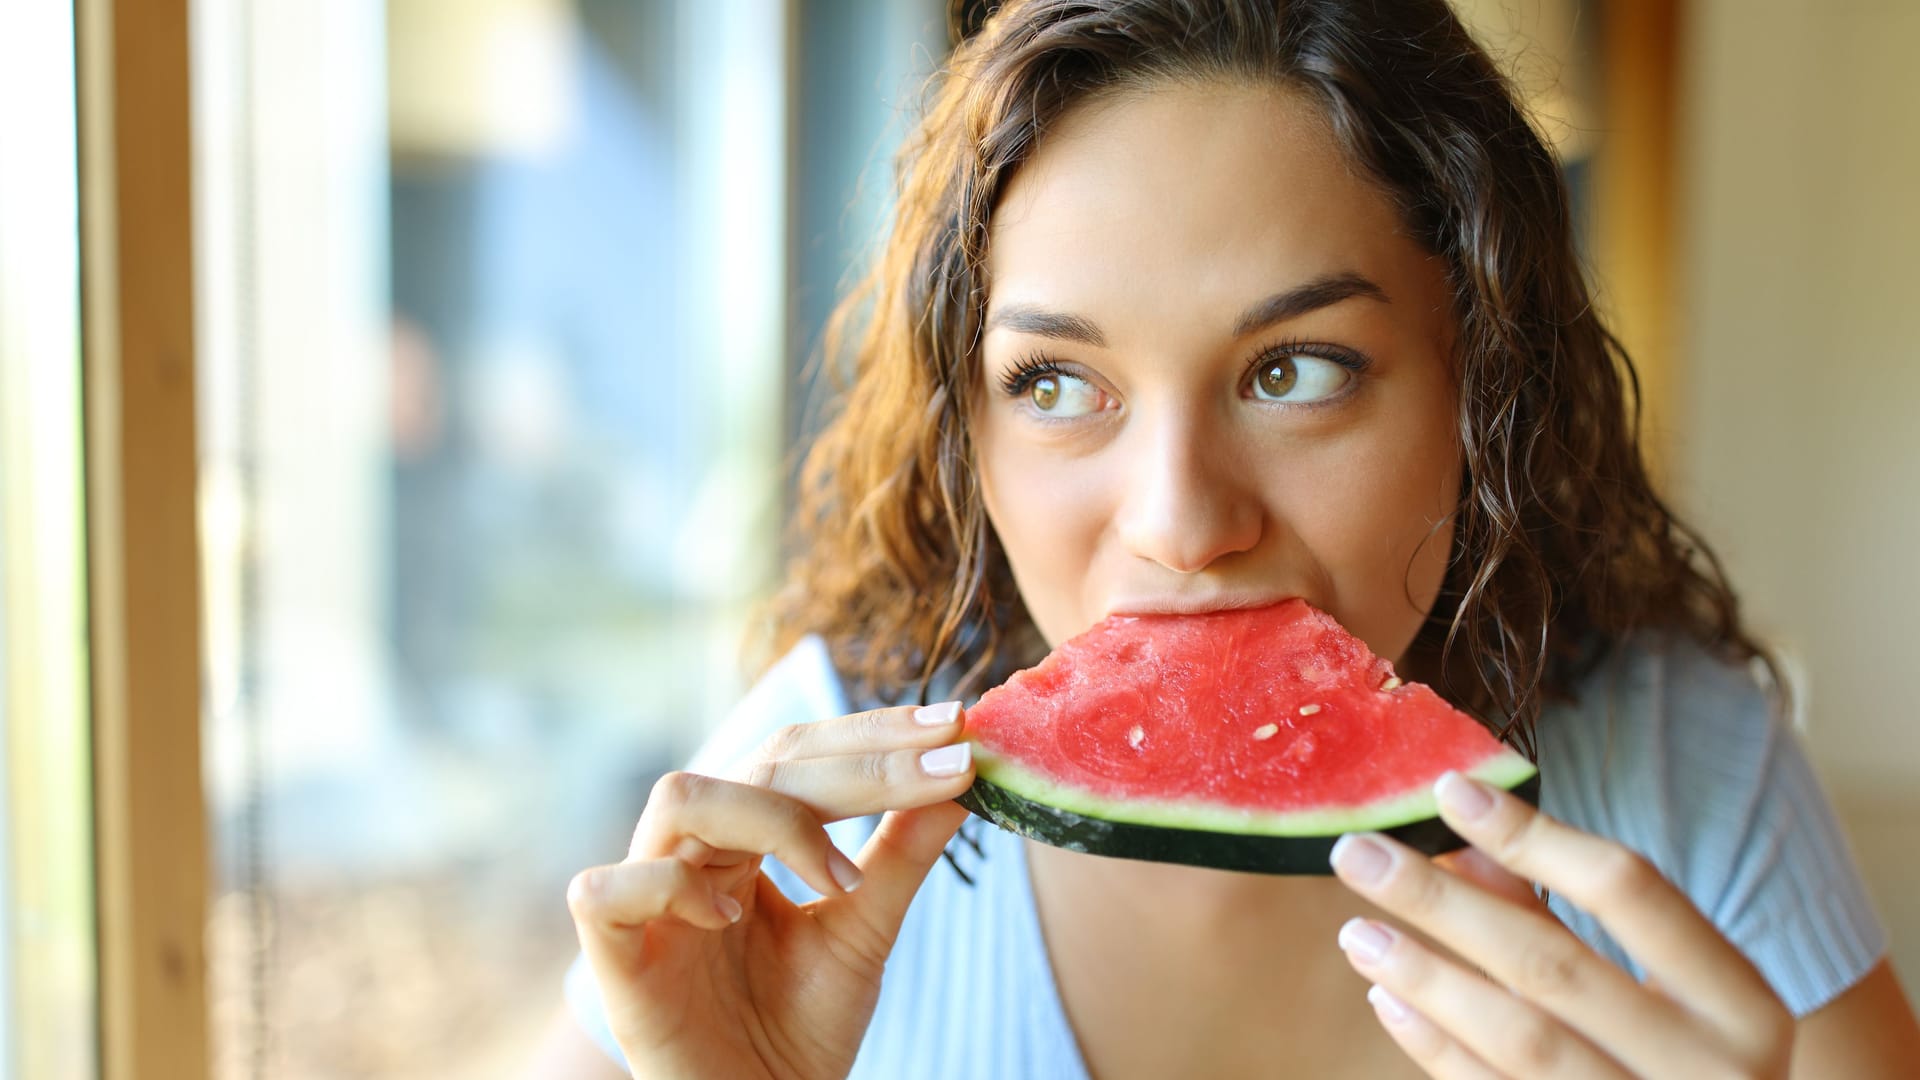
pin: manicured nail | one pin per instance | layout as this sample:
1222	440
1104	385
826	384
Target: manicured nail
847	875
946	712
948	760
1361	859
728	907
1464	798
1390	1008
1366	940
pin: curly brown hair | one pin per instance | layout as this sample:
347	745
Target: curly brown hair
1561	547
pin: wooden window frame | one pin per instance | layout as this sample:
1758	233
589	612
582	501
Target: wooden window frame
1634	185
136	218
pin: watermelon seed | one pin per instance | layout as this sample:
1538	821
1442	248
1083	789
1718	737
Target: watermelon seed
1392	683
1266	731
1309	710
1136	735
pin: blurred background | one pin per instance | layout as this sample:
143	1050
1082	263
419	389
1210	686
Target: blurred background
503	315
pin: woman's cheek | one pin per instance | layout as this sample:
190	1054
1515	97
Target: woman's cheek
1387	540
1039	515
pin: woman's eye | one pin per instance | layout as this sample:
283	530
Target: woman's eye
1298	379
1064	395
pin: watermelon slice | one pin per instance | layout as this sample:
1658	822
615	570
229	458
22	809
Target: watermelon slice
1242	740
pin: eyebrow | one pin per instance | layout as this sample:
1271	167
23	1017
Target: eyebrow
1312	296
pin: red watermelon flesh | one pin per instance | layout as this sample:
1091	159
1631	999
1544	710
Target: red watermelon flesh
1271	721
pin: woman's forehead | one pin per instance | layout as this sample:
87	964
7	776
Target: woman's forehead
1212	195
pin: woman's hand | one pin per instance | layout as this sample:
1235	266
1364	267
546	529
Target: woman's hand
1525	998
705	968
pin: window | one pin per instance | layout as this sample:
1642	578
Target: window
492	370
47	1012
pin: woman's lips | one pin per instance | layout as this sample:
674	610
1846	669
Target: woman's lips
1195	605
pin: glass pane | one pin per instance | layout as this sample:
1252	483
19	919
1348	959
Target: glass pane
491	425
47	1013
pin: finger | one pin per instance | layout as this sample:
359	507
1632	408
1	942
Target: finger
1440	1056
877	729
689	817
1653	921
1508	1033
895	860
630	894
855	785
1472	864
610	903
1526	949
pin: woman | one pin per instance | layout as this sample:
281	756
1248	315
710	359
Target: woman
1193	304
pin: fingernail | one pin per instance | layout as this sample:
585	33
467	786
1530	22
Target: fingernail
1366	940
845	874
948	760
1390	1008
1361	859
946	712
586	886
1462	797
728	907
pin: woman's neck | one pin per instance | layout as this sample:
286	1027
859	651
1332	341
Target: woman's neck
1171	970
1284	912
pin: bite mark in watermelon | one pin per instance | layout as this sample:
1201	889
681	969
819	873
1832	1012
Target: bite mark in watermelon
1246	740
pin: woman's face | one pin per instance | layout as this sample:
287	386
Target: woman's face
1215	372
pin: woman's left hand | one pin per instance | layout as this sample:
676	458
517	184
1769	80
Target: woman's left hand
1522	996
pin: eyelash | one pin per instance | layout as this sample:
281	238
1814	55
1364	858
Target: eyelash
1035	366
1028	371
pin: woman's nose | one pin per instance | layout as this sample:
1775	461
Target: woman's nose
1190	498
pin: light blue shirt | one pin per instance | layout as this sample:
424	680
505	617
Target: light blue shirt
1669	751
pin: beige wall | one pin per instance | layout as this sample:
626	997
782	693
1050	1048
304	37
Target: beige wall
1797	432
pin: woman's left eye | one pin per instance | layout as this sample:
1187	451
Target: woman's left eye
1298	379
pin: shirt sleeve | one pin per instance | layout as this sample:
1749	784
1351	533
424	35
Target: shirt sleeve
1686	759
799	689
1787	890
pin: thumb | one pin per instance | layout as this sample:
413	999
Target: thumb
895	862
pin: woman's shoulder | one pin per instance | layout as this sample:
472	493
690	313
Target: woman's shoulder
1676	671
1667	743
799	688
1663	700
1686	755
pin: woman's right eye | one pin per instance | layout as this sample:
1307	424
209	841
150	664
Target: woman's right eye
1062	395
1053	392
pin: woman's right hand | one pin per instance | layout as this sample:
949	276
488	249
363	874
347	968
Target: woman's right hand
706	969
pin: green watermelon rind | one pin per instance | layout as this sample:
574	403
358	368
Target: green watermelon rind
1503	769
1289	855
